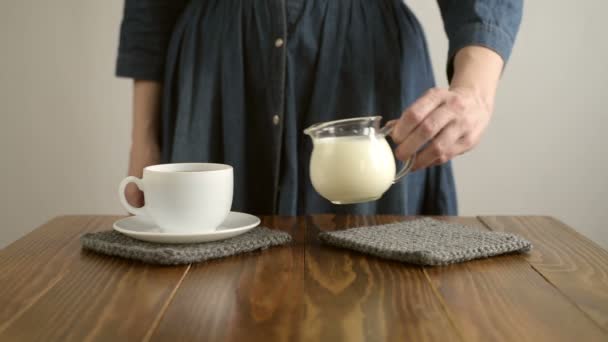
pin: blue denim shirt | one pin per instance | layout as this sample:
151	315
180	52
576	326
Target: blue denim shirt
147	26
242	79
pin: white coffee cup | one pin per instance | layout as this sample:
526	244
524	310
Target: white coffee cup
183	198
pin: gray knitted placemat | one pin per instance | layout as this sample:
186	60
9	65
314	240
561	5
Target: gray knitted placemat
426	242
117	244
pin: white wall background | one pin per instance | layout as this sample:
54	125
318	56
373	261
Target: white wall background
65	119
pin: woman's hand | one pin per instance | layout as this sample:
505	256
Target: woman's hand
142	155
450	122
145	149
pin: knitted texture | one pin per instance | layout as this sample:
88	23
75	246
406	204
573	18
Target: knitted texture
426	242
116	244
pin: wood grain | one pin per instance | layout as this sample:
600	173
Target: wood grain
52	291
35	263
352	297
571	262
95	298
251	297
504	299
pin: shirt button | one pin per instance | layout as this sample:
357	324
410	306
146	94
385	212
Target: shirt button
279	42
275	120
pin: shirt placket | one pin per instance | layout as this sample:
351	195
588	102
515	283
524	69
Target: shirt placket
277	116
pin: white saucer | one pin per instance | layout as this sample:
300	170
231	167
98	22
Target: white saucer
143	228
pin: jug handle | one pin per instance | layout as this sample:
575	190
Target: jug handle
407	167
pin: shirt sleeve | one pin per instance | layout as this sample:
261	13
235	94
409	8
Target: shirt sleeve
490	23
145	31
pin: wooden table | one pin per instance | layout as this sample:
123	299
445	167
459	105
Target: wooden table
51	290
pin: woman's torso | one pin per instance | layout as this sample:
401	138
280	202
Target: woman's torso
244	78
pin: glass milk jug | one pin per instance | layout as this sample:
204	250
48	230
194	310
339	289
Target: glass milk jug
351	160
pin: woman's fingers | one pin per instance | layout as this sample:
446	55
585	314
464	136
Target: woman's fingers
142	155
444	122
464	144
417	112
442	148
134	196
424	132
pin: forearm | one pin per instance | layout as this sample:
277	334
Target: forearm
478	69
146	112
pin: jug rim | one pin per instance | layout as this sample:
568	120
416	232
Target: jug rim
321	125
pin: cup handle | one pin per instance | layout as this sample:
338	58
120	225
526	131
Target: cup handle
405	170
123	200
